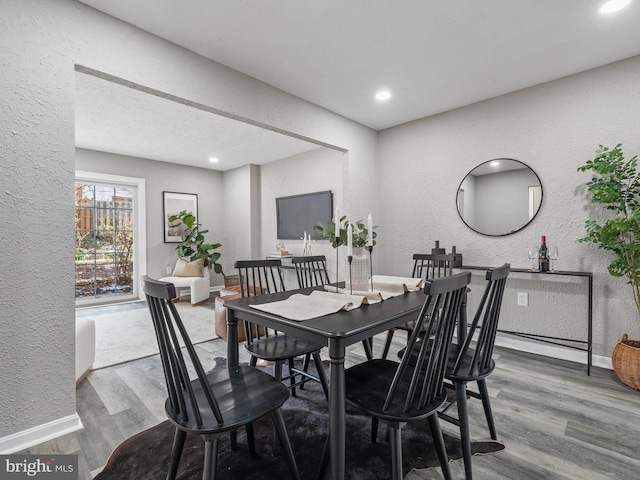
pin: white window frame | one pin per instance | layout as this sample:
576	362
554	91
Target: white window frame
139	221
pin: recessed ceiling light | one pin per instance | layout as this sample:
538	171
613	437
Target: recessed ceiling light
213	159
495	163
614	5
383	95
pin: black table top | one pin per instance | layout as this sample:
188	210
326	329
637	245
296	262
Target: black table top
352	325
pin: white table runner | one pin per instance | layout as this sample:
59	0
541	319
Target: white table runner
301	307
384	286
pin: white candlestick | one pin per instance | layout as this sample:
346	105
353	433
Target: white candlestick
370	232
349	241
336	221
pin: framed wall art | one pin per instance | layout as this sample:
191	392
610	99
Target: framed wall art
174	203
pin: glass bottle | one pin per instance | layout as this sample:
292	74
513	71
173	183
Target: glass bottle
543	257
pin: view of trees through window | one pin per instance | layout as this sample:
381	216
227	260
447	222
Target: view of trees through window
104	241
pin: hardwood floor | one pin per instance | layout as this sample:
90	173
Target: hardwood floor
555	421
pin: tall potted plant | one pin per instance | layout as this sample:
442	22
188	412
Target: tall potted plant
615	187
193	245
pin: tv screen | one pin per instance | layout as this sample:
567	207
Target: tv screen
298	213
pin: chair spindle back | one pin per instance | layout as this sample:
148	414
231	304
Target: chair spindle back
258	277
432	265
421	383
486	319
311	271
169	332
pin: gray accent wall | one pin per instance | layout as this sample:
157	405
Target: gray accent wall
553	128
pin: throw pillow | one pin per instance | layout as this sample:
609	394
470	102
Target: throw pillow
185	268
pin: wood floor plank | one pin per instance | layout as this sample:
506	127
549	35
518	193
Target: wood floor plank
556	422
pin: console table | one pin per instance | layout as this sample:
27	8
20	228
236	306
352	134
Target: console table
586	345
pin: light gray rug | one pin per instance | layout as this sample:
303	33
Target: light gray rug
122	336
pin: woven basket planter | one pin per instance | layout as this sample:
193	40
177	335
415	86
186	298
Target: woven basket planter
626	361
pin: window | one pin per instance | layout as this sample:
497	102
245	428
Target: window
106	250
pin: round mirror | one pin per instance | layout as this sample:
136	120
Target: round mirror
499	197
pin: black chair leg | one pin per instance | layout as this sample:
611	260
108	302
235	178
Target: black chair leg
463	419
321	373
324	459
278	422
367	344
251	441
292	377
210	459
486	404
395	441
305	367
277	373
374	430
176	453
438	442
233	440
387	343
233	435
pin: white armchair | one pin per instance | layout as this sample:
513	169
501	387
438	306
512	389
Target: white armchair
191	275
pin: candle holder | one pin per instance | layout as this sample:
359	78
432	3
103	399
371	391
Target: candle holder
337	266
350	259
371	265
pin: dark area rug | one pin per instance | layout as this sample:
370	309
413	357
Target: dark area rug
145	456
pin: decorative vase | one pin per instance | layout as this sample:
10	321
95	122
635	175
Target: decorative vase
358	273
626	361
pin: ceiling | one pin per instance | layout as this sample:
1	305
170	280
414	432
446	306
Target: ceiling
115	118
432	56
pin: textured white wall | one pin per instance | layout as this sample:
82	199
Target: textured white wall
41	42
554	128
36	205
236	212
160	177
315	171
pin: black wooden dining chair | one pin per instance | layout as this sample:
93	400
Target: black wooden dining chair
411	390
214	403
425	266
259	277
312	271
473	361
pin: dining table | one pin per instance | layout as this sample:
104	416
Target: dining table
336	331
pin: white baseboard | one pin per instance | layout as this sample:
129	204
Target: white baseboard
553	351
19	441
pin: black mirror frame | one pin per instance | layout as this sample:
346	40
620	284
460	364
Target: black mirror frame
513	231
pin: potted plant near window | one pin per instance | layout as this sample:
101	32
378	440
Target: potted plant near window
616	188
193	246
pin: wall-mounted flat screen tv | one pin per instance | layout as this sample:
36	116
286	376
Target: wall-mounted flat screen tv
297	214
